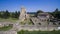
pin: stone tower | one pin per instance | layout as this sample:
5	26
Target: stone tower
22	14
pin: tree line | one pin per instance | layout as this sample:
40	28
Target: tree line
6	14
55	13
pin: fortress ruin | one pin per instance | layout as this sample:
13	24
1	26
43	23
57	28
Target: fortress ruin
43	21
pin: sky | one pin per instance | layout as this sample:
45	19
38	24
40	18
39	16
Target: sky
30	5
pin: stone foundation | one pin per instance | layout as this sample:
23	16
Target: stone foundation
33	27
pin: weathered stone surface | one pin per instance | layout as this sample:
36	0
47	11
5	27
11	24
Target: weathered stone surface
8	32
40	23
22	14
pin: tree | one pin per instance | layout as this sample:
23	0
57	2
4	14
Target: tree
0	14
12	15
39	11
18	13
15	14
6	14
56	10
56	14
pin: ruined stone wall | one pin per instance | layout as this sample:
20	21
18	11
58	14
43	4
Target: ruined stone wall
22	14
34	27
8	32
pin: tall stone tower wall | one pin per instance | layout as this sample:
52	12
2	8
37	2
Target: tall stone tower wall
22	14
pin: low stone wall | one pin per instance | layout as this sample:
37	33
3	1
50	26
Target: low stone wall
33	27
8	32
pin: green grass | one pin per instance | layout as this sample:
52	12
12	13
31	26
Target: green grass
5	28
38	32
8	20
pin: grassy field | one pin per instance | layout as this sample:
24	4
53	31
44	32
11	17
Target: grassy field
8	20
38	32
5	28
